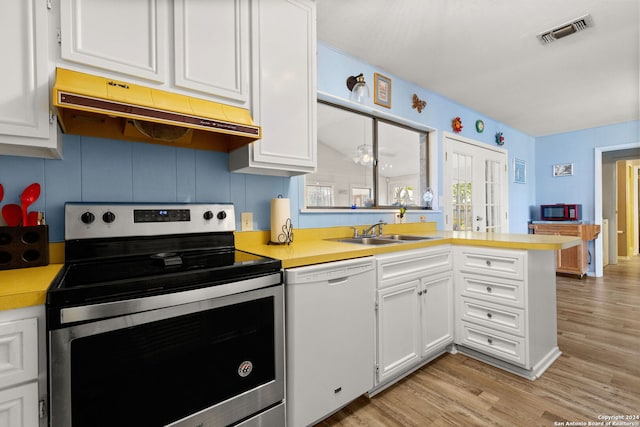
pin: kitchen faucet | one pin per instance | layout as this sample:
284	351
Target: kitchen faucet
379	224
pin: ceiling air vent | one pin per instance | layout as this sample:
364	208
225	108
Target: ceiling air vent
565	30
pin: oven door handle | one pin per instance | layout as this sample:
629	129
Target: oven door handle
136	305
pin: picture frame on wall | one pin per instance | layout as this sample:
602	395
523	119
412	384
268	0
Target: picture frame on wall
563	169
519	171
382	90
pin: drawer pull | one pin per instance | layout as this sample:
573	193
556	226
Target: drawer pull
488	263
490	341
489	289
489	315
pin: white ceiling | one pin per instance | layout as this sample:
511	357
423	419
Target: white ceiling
484	54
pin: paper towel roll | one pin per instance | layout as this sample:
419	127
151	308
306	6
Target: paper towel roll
280	220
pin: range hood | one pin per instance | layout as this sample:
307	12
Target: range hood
97	106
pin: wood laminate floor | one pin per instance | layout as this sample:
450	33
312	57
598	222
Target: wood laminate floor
598	374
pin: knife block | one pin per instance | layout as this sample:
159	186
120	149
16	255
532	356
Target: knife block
22	247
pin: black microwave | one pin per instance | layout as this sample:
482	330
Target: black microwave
561	212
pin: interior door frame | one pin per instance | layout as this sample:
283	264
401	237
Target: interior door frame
597	199
448	137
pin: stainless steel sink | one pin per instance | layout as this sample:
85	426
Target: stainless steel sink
385	239
367	240
405	237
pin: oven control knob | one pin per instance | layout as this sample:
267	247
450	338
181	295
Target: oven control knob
109	217
222	215
208	215
87	217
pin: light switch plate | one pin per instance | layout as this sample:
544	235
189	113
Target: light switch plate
246	219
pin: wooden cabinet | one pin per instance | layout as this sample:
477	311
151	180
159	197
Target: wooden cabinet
414	321
27	124
574	260
284	82
22	367
506	308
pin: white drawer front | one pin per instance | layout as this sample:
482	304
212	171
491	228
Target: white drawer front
494	262
402	264
500	291
502	346
505	319
18	351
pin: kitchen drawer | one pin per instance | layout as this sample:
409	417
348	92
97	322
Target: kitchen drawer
494	262
405	263
558	229
503	346
499	291
18	351
506	319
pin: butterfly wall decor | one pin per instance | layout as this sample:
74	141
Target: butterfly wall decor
418	104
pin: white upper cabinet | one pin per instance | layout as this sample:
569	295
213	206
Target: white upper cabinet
27	125
283	46
193	47
125	37
212	48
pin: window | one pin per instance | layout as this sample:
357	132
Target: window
367	162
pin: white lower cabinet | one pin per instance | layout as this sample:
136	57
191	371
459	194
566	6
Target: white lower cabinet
506	308
18	406
22	367
398	329
414	302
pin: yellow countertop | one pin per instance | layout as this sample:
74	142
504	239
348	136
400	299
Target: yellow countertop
28	286
24	287
313	246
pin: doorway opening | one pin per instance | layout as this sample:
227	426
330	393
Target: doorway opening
617	191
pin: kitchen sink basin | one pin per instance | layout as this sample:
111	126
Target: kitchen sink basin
367	240
386	239
404	237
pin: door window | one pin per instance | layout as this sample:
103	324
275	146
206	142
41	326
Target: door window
475	186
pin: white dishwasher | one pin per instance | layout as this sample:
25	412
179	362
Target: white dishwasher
330	316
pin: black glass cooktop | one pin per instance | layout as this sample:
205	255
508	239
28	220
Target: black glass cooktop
132	277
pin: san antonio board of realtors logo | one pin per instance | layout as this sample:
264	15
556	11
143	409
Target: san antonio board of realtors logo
245	368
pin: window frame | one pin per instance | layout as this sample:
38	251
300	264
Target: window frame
377	116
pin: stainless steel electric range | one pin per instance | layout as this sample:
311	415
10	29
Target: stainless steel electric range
156	319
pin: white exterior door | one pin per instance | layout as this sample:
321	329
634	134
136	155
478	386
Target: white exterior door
476	193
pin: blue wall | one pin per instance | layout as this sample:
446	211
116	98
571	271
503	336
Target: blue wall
97	169
577	148
335	66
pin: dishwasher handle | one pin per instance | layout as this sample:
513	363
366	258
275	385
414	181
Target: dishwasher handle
332	273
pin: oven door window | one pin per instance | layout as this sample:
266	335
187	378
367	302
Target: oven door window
156	373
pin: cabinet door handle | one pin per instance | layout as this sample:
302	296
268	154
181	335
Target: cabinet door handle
489	289
419	293
489	315
490	341
488	263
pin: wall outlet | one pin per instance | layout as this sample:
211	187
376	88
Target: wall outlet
246	221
